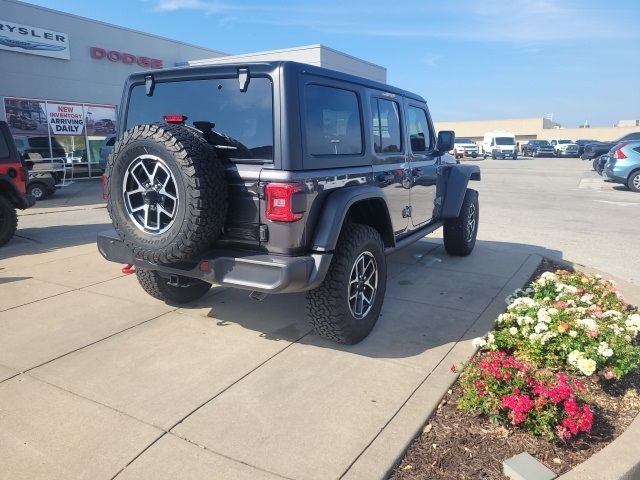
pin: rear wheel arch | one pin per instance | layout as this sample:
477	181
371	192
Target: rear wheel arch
367	212
365	204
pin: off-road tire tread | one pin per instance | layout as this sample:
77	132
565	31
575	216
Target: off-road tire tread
454	235
205	192
156	286
8	220
325	305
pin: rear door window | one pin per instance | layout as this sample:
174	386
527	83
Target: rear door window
418	126
332	120
239	123
387	136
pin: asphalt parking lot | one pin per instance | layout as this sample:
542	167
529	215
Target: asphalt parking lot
98	380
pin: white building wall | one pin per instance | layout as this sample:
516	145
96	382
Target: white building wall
318	55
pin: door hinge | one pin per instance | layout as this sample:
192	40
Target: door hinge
406	212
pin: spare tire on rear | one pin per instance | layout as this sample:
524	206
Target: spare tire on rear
167	192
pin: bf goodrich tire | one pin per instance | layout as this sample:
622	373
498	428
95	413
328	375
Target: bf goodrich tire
634	182
8	220
460	233
167	192
347	305
156	285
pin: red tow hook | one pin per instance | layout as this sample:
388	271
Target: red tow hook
128	269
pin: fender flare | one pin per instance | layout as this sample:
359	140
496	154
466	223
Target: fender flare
457	179
334	211
16	197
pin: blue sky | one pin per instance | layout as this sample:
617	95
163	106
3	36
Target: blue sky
579	60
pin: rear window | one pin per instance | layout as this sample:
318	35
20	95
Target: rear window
332	120
4	147
239	123
505	141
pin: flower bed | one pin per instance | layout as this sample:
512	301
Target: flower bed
557	377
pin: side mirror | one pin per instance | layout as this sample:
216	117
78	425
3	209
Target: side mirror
446	139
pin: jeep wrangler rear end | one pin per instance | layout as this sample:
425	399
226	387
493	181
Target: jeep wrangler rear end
280	177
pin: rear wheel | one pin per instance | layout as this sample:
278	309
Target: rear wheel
8	220
594	163
347	305
460	233
157	285
634	182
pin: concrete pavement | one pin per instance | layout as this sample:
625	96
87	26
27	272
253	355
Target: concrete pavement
99	380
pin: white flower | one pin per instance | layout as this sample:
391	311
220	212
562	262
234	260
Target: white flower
612	314
632	323
490	338
533	337
574	356
513	330
543	315
588	323
616	328
586	366
521	304
479	342
503	317
573	333
604	350
586	298
540	327
546	278
563	287
528	320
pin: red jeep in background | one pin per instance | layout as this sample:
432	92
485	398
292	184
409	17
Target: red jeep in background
13	178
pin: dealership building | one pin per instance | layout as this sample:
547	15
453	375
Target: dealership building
62	76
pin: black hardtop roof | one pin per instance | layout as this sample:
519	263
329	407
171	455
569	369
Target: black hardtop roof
204	70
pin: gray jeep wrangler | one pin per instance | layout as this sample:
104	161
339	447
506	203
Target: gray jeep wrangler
280	177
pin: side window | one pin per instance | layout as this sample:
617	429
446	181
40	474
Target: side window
4	147
387	136
332	118
418	125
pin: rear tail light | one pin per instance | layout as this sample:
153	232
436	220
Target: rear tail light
279	198
174	118
619	154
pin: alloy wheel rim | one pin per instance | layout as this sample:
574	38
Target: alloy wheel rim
636	182
471	222
37	192
150	194
363	285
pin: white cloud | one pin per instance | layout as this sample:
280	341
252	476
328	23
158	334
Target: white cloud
174	5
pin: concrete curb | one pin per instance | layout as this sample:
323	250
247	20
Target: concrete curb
620	460
384	452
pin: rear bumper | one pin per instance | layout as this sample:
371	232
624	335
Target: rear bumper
234	268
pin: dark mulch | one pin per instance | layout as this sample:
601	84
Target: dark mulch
460	445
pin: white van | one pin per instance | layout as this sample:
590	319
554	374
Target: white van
499	144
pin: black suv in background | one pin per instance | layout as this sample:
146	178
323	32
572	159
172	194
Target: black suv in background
538	148
594	150
280	177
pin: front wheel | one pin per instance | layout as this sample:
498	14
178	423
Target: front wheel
8	220
347	305
634	182
157	285
38	190
460	233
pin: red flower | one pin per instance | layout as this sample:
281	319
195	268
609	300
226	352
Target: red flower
453	368
518	417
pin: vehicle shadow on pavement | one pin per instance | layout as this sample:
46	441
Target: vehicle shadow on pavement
81	193
432	301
